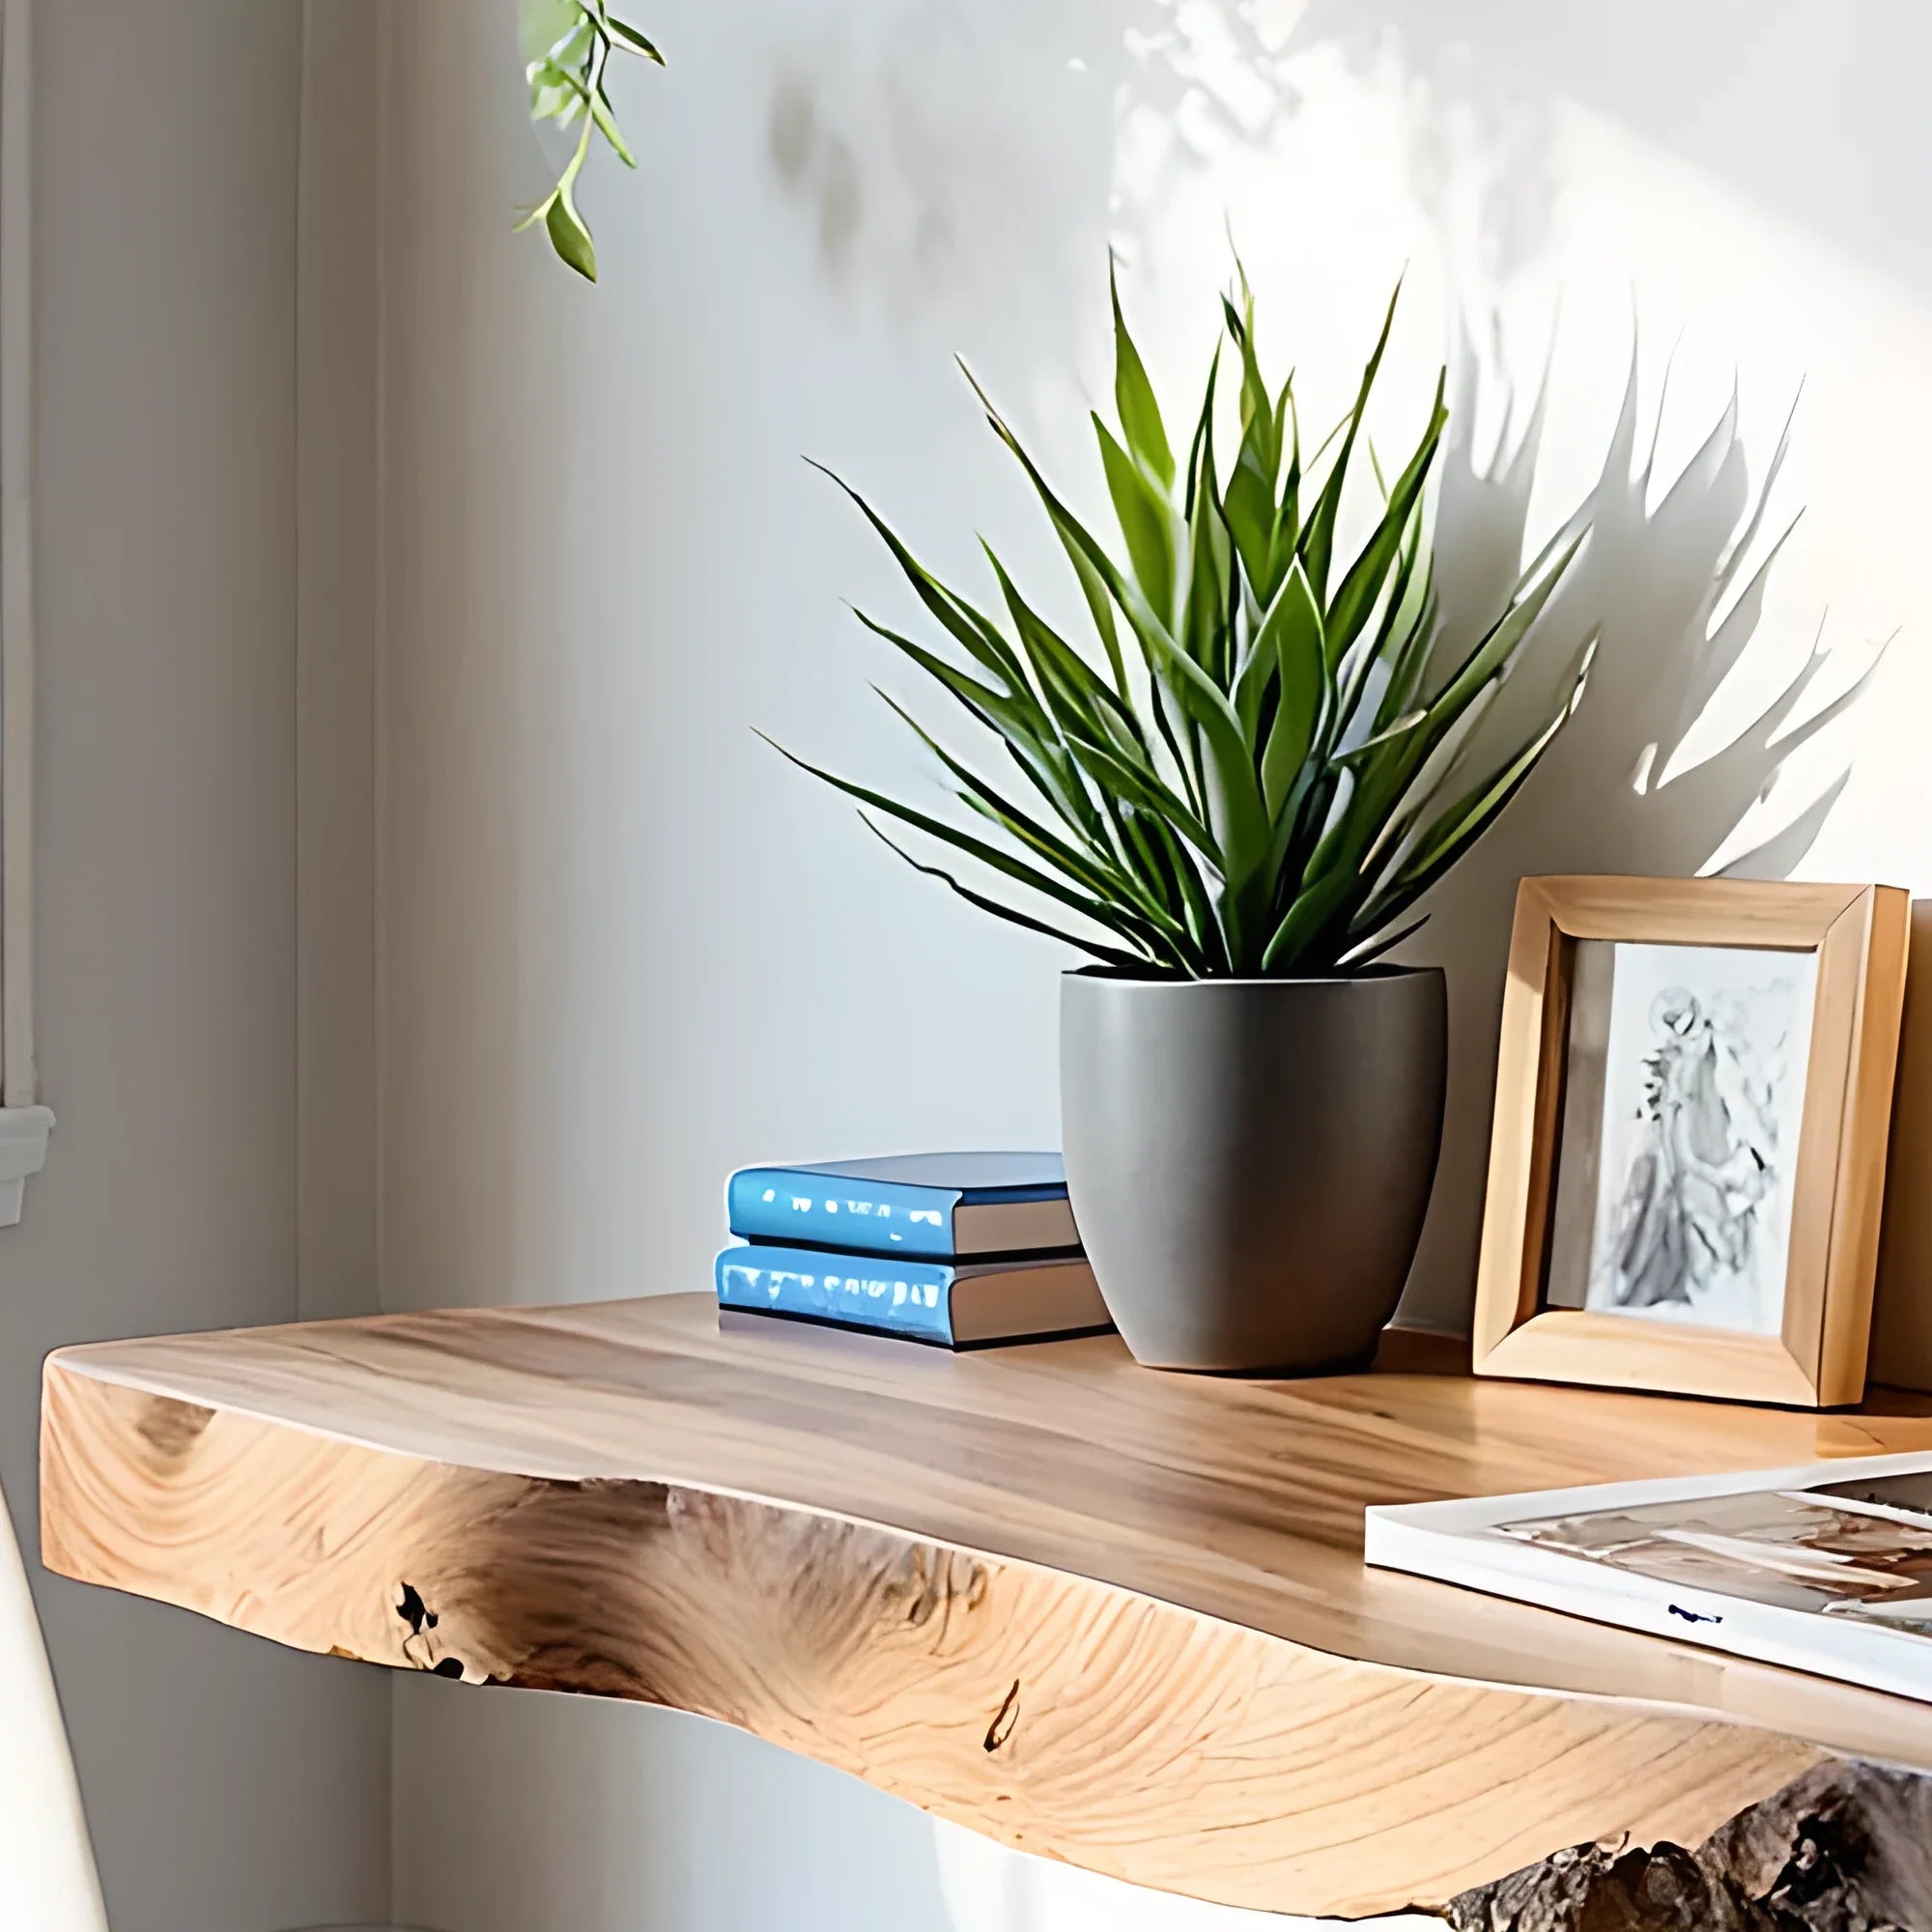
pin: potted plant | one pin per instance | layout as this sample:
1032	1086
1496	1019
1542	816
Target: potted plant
1231	799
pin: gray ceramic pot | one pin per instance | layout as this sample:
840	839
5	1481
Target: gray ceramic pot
1250	1160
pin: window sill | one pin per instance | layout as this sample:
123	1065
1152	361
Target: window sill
23	1149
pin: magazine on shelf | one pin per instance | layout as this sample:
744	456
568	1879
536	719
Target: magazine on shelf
1826	1568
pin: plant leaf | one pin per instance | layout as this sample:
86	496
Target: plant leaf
1253	515
1203	429
1466	822
629	35
1205	630
569	235
1358	754
1084	702
1243	829
1287	512
989	855
1314	910
1406	632
1356	598
1147	522
1258	418
533	216
1100	578
1494	649
1202	926
1128	962
1096	872
554	87
1134	398
1147	790
1358	956
542	23
1085	554
1319	540
975	634
1292	630
607	126
1027	732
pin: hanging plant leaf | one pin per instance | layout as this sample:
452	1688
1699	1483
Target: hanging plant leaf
567	46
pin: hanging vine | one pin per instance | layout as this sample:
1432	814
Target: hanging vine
567	50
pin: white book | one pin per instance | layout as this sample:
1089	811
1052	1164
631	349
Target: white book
1826	1568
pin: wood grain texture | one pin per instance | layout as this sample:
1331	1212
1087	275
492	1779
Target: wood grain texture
1098	1612
1901	1341
1877	932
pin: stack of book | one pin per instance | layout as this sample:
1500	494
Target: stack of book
963	1250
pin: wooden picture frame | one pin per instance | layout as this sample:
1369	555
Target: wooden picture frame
1858	935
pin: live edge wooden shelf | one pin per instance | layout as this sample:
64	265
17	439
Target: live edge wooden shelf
1109	1615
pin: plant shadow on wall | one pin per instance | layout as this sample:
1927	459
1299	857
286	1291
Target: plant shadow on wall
1652	778
913	168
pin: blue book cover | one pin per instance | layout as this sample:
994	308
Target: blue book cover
953	1304
938	1205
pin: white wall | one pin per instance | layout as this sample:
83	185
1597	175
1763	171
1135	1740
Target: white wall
337	222
232	1787
626	949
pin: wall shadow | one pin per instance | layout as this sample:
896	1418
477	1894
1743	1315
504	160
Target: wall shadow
1675	763
916	175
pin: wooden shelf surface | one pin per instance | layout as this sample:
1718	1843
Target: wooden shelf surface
1111	1615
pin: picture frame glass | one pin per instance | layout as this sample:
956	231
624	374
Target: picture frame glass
1684	1090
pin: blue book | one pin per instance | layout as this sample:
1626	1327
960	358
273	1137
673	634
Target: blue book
945	1206
956	1304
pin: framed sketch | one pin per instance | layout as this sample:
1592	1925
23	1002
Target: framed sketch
1694	1093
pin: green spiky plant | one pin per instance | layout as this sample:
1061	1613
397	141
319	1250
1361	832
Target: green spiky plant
1268	760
